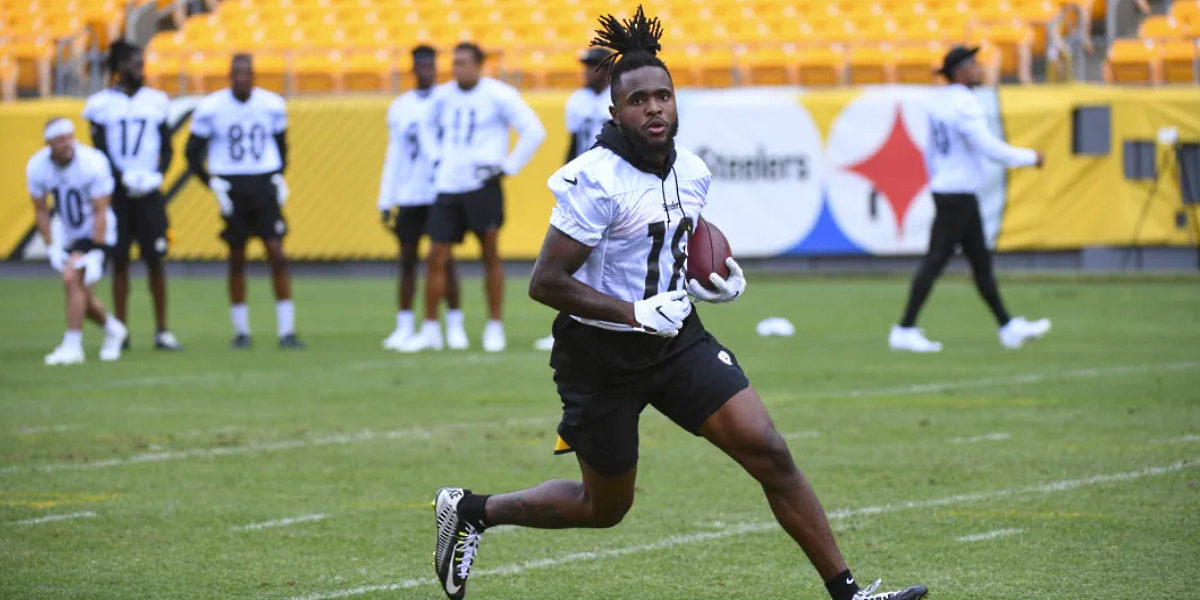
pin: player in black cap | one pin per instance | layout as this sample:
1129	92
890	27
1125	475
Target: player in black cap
959	142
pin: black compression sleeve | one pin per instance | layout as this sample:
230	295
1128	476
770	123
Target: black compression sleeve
165	150
196	151
571	145
281	142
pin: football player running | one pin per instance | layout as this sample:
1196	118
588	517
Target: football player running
627	336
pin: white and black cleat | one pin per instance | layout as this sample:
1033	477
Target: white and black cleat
457	543
916	592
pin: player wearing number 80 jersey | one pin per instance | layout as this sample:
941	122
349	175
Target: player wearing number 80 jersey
240	132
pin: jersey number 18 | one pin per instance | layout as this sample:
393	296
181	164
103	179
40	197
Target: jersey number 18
658	234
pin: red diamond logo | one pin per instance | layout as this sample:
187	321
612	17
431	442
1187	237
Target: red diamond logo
896	170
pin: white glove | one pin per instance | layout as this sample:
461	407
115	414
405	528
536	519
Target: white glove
58	257
727	290
140	183
281	189
93	266
220	188
663	314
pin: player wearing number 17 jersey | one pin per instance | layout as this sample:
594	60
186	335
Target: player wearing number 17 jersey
241	133
129	125
613	264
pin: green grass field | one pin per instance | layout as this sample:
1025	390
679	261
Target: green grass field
1068	469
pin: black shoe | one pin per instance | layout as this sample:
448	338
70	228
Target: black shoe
240	341
165	340
291	342
916	592
457	543
125	344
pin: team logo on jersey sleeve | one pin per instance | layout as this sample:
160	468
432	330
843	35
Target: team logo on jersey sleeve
724	357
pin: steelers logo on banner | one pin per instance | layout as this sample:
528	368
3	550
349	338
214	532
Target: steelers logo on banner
878	183
764	152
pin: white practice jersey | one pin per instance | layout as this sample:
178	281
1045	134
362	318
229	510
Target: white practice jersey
637	224
473	125
131	125
407	168
241	135
72	188
587	112
960	141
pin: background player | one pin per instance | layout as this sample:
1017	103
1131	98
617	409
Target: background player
587	112
406	192
129	125
959	142
242	132
80	180
604	264
473	115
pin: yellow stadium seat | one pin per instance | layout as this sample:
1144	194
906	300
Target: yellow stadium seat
563	71
718	67
772	66
868	65
1160	27
317	71
916	64
1132	61
1185	10
165	71
1180	61
918	28
1013	41
820	66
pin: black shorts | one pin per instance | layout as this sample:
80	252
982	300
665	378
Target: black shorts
453	215
411	223
605	379
143	220
255	210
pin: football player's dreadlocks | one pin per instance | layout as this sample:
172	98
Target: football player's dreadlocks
634	43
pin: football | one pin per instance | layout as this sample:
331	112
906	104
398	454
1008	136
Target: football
707	251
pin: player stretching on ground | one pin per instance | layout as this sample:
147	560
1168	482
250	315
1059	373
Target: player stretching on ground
612	263
80	180
587	112
241	131
473	115
129	125
959	141
406	192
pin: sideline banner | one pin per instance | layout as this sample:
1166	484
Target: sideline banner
794	173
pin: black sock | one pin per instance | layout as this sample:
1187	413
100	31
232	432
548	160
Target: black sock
841	586
471	509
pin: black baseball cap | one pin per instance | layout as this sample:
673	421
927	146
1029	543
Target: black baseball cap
955	57
594	56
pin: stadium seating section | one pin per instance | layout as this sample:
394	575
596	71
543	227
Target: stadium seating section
361	45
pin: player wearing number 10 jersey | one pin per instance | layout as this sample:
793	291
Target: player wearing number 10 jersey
626	337
129	125
241	132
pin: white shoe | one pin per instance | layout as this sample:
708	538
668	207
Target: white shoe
110	348
397	339
493	337
429	338
911	339
1017	331
545	344
456	338
63	355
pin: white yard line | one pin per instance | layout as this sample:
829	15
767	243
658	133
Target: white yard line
282	522
796	435
943	386
34	430
736	530
987	437
87	514
329	440
369	436
1187	439
989	535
